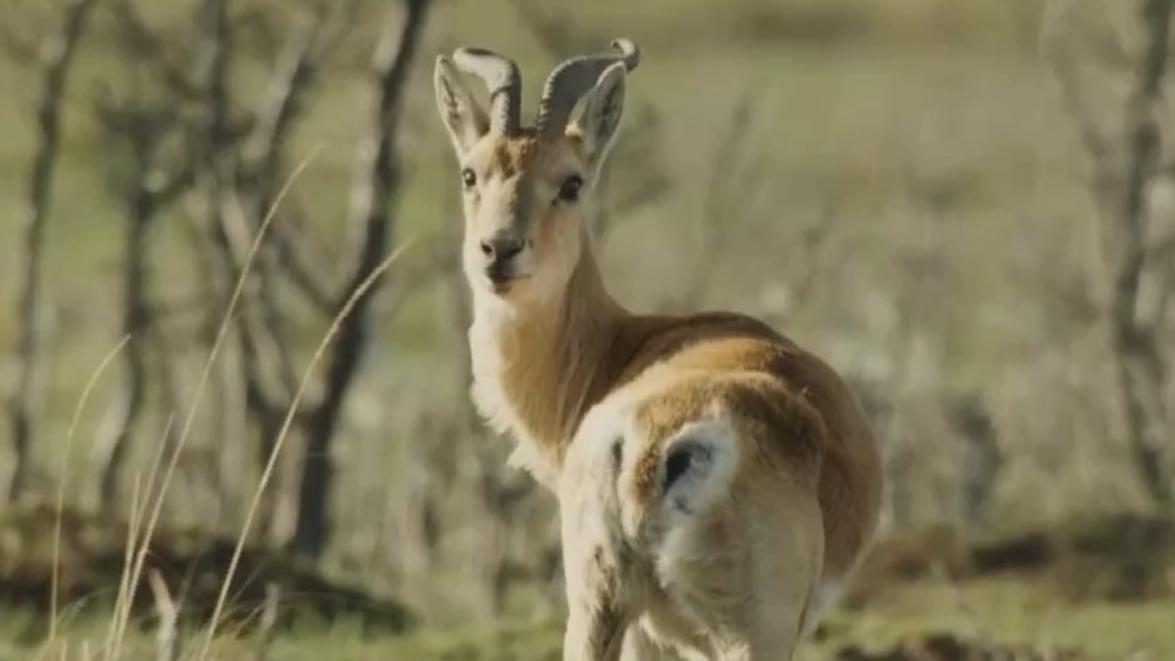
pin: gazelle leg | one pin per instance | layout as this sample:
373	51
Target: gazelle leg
592	636
788	558
639	646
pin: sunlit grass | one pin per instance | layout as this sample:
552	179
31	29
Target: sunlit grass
1001	608
1014	610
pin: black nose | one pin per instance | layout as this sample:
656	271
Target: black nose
501	248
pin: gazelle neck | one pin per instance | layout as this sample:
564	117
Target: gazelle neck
537	369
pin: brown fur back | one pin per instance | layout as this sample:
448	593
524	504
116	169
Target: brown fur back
799	386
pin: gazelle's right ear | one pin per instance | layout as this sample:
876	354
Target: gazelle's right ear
463	117
598	121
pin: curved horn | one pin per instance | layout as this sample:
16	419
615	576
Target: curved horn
503	81
570	80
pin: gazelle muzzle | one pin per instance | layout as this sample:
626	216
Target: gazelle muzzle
499	252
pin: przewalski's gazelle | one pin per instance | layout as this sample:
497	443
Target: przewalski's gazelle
713	477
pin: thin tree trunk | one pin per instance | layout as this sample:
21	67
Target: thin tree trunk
376	184
57	57
294	79
1123	171
982	459
136	321
1140	370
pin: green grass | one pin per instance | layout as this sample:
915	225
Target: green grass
1009	609
1004	609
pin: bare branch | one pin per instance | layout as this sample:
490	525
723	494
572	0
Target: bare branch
266	361
311	281
303	56
140	42
216	34
296	75
376	182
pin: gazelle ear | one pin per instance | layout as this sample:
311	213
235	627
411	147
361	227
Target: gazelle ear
597	123
463	117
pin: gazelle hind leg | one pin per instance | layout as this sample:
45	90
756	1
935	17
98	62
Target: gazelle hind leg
787	559
639	646
827	595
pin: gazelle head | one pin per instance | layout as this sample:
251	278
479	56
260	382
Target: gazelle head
530	191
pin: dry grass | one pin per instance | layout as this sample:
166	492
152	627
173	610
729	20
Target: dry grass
136	550
63	478
343	313
133	570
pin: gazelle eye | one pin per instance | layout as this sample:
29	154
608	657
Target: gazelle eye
569	189
468	178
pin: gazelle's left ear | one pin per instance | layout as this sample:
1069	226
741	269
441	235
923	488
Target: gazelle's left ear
463	117
597	123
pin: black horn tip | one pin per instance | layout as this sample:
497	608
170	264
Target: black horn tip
628	51
484	61
501	76
472	50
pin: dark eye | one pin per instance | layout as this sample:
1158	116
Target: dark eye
569	189
468	178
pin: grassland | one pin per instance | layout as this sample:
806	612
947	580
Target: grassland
1009	609
925	138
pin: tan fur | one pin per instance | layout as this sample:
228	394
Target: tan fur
596	397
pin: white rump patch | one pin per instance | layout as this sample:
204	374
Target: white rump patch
697	466
705	482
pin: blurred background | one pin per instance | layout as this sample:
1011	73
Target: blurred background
966	206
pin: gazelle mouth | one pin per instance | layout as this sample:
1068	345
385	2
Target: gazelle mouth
503	284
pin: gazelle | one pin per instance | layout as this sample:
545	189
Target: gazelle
713	477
